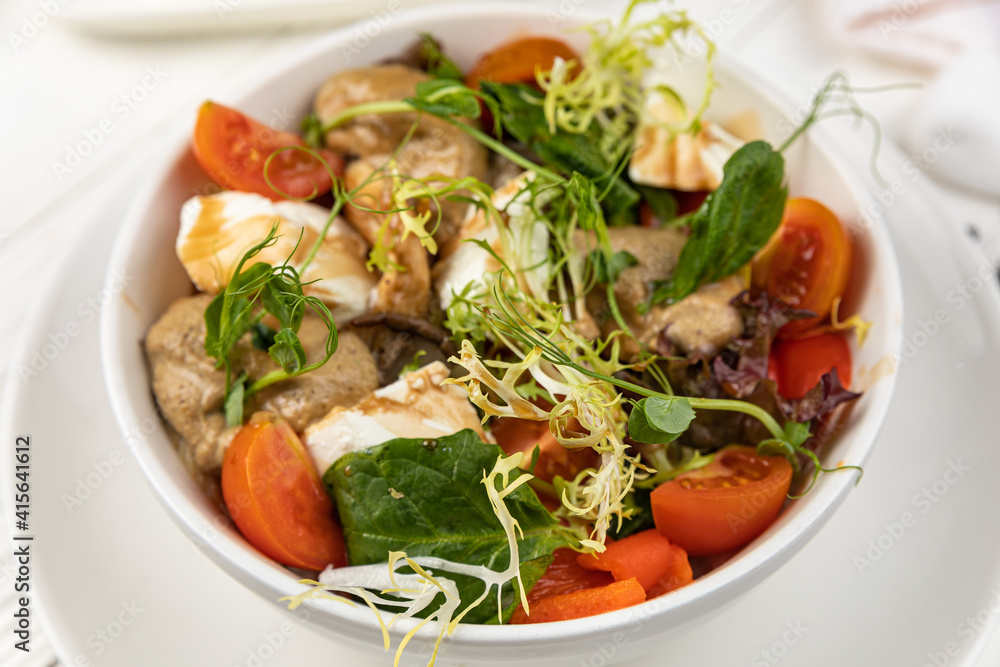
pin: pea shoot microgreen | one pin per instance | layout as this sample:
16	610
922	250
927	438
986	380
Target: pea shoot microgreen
253	293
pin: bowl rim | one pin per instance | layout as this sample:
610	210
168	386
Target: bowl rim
271	580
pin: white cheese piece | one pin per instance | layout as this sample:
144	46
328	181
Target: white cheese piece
681	161
415	406
217	230
466	267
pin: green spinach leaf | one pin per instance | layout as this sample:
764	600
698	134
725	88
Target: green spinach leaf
733	223
426	497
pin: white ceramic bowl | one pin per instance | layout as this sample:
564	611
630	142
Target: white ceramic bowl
144	251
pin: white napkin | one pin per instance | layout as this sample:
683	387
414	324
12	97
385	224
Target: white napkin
953	132
923	32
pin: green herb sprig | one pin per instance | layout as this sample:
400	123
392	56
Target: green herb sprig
733	223
253	293
657	417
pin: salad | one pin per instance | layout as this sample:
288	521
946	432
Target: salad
519	344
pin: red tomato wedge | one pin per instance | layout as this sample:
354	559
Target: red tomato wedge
522	435
797	364
724	505
807	263
647	557
582	603
276	498
517	61
233	148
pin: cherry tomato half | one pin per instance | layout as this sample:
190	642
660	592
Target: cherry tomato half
797	364
807	263
233	148
275	497
516	61
724	505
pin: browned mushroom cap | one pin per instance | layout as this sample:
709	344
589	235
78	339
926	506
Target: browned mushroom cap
189	390
435	148
406	290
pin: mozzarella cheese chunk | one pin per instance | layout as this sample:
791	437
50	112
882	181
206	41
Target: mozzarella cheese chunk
415	406
681	161
466	267
217	230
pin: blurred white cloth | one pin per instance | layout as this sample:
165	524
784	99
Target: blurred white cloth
954	129
929	33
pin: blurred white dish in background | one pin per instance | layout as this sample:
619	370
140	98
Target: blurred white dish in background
171	17
954	133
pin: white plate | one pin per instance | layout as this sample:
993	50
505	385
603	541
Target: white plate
173	17
826	607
